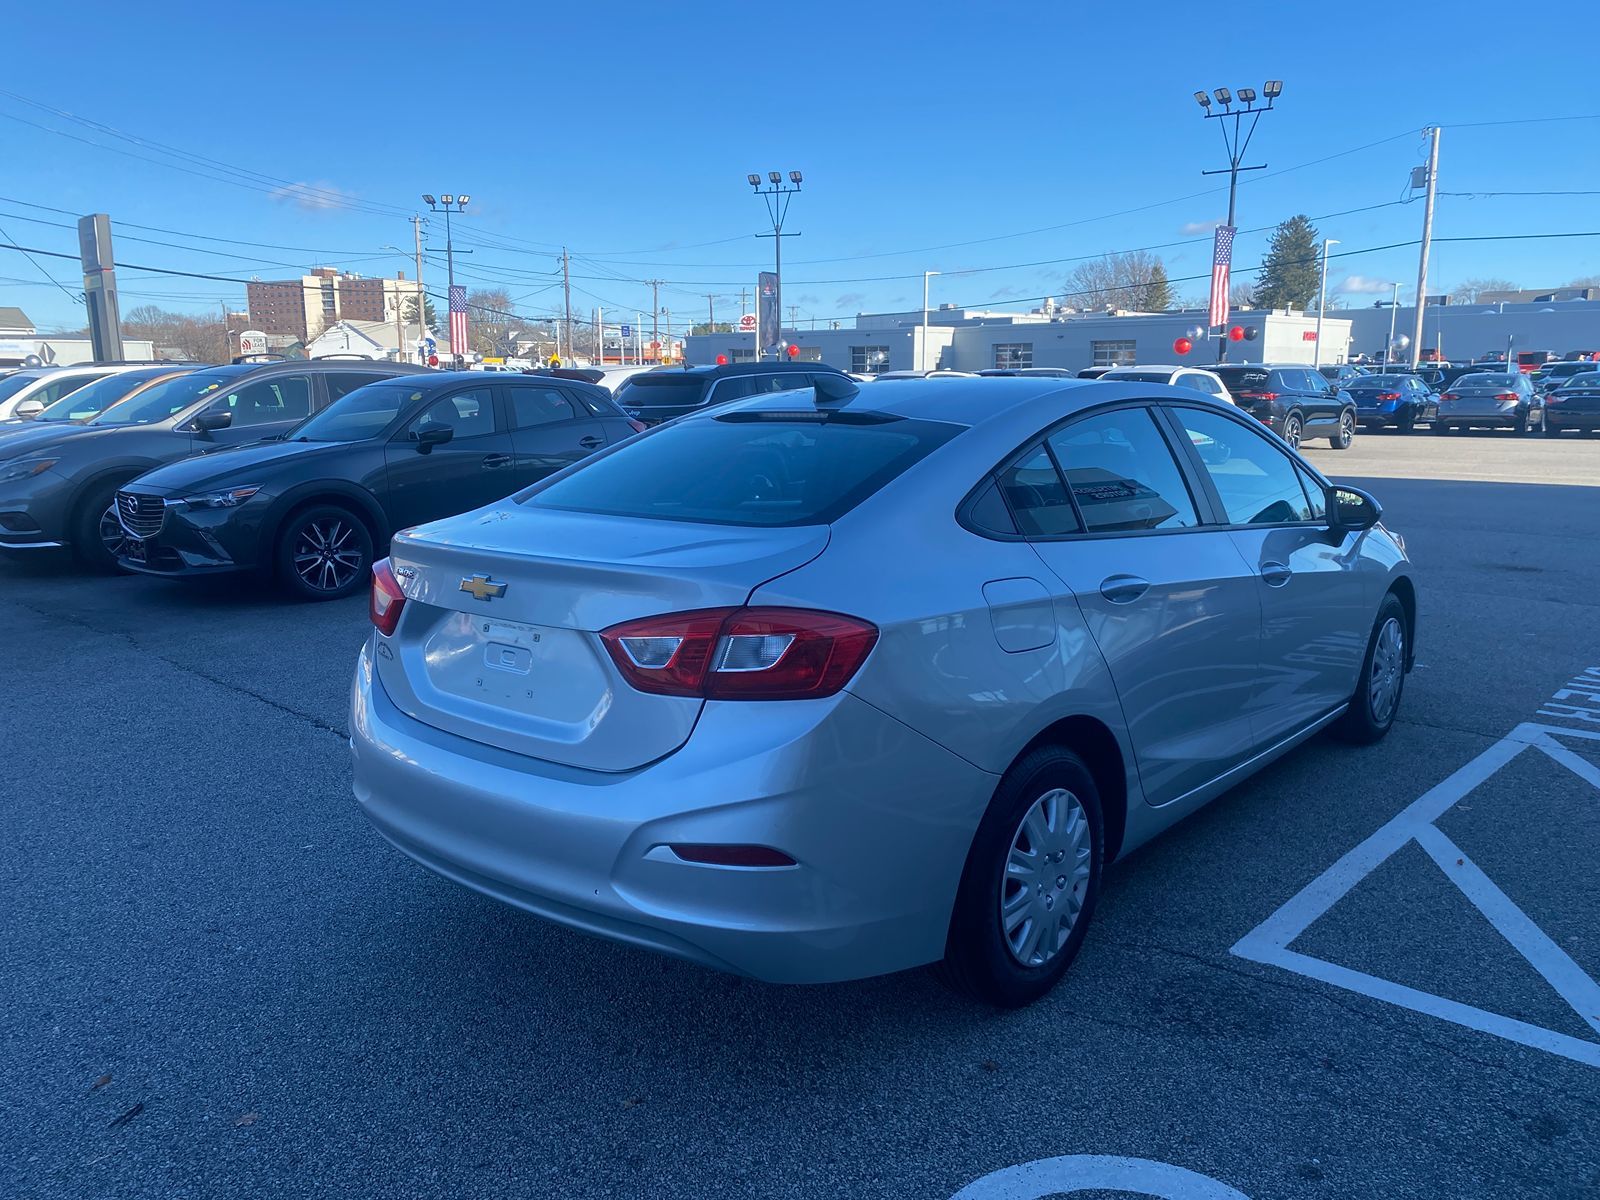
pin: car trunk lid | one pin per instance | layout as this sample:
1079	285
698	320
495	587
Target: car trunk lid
499	640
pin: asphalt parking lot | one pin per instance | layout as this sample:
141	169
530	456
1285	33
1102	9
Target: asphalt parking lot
220	982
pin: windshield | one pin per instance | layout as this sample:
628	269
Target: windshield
1494	381
12	384
98	395
759	469
362	414
162	400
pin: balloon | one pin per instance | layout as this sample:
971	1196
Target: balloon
1236	334
1182	346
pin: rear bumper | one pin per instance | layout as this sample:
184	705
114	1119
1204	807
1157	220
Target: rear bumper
878	818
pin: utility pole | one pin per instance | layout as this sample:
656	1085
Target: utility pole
1427	242
422	292
227	338
794	317
711	314
566	287
599	336
666	314
655	315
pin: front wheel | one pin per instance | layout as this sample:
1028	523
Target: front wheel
1407	424
1549	429
97	537
1346	435
1029	888
1383	678
1521	427
324	553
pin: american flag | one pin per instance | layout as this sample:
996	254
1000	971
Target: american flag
458	320
1221	260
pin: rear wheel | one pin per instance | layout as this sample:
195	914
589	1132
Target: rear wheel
324	553
1441	428
1383	677
1030	884
1346	435
1293	427
97	536
1549	429
1521	427
1407	424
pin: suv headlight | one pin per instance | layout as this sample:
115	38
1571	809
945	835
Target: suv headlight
25	468
229	499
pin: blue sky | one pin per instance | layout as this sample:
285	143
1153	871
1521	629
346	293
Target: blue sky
933	136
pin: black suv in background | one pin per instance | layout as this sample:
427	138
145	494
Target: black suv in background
1295	402
317	507
656	396
60	491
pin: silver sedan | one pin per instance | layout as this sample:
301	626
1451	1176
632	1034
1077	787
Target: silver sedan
831	683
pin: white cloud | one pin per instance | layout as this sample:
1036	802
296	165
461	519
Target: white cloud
314	197
1362	286
1190	228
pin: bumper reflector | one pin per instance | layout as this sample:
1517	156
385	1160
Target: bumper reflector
731	855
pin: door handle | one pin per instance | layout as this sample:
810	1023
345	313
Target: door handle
1123	589
590	442
492	461
1276	574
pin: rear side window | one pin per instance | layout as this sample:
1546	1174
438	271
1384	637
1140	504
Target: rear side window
470	414
1036	494
279	398
532	406
342	383
1122	475
758	472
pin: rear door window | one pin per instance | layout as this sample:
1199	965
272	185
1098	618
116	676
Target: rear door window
531	406
1257	483
469	413
342	383
279	398
1122	474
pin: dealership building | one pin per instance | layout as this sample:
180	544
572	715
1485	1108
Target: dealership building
974	340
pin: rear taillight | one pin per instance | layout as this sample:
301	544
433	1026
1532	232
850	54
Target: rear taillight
387	598
1258	395
1388	395
638	426
1450	396
741	653
1507	396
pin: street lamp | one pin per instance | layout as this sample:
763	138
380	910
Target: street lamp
777	198
1322	300
448	204
1237	141
922	350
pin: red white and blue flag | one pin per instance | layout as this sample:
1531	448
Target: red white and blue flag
458	320
1221	261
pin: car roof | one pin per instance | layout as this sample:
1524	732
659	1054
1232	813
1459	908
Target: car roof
972	401
438	381
718	370
1158	367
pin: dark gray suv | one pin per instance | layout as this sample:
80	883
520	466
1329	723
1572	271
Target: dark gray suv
60	491
652	397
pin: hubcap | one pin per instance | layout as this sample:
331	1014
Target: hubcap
1347	428
111	535
1291	433
1388	668
327	554
1046	878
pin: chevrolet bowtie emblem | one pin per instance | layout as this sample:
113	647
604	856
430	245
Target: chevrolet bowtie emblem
481	587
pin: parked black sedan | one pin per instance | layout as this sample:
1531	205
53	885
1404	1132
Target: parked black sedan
1574	405
1392	401
316	507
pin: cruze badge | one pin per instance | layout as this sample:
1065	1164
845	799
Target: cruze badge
481	587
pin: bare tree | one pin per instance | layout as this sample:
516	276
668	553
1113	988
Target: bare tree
202	338
1135	280
492	324
1468	290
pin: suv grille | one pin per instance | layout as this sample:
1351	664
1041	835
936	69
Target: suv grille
141	515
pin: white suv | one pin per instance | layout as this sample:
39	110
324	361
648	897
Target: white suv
1184	377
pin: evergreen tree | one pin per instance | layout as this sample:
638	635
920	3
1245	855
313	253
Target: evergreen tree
1292	269
1157	292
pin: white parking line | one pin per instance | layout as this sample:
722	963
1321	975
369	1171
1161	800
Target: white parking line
1101	1172
1269	942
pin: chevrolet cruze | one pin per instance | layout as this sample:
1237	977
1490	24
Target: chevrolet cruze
826	683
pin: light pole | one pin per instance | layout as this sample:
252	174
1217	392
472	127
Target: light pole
1237	142
448	204
1394	307
922	356
777	198
1322	300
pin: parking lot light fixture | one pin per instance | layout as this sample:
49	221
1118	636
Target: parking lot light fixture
428	200
1203	99
447	199
1236	137
461	201
777	196
1272	89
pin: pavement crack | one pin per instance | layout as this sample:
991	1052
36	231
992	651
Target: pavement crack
237	689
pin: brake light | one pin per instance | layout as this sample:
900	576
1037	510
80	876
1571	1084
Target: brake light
1450	396
638	426
1388	395
1259	395
1507	396
741	653
387	599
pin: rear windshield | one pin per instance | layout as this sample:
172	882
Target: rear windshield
749	469
1140	376
1588	379
656	390
1383	381
1243	379
1499	381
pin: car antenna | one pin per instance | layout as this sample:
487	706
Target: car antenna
834	389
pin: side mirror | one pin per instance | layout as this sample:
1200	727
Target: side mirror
1352	510
210	422
28	410
433	433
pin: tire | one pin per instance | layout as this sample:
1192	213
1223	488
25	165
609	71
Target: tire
1407	425
1376	701
1346	436
1441	428
1293	427
1521	427
1550	431
983	960
96	532
324	552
